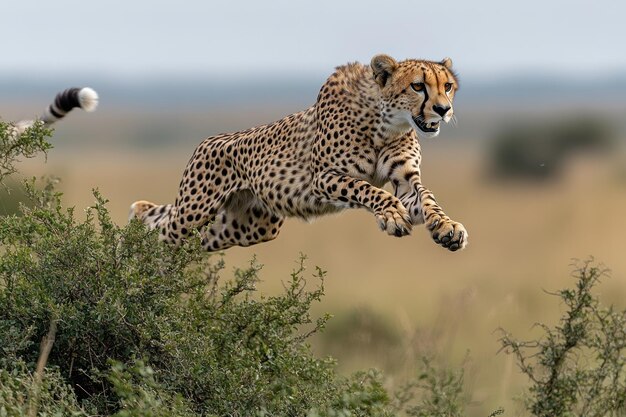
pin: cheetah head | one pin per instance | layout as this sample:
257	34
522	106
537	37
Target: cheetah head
416	94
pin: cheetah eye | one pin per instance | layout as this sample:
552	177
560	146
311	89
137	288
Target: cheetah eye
418	87
448	87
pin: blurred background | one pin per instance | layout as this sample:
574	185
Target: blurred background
535	168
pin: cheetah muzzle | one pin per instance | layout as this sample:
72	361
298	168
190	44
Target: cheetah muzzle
431	127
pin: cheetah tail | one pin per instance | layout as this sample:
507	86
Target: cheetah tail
84	98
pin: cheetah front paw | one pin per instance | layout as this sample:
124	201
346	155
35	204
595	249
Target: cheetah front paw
448	233
395	221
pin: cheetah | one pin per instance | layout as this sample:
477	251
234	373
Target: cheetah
361	133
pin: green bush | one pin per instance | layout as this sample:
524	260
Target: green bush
12	194
578	367
17	384
12	147
140	394
144	328
439	392
117	293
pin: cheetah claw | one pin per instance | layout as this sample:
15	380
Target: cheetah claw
449	234
395	223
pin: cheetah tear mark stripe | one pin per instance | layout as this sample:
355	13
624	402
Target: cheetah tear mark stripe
85	98
421	113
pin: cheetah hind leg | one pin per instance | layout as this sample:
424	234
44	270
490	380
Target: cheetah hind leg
242	221
149	213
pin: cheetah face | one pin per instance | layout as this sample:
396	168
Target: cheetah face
416	94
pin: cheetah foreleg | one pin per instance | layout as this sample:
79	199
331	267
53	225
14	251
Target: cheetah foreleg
444	231
423	208
400	163
344	191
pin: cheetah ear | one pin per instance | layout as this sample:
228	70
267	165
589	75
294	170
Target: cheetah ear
446	62
383	66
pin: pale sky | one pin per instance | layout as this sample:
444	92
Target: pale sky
143	38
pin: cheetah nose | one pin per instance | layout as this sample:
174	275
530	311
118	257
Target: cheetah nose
441	111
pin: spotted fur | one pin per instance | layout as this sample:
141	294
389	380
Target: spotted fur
362	132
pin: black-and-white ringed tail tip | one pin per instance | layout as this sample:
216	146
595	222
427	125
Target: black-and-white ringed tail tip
85	98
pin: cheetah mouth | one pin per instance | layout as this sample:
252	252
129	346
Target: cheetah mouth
431	127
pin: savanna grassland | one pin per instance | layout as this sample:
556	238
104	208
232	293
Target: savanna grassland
393	300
